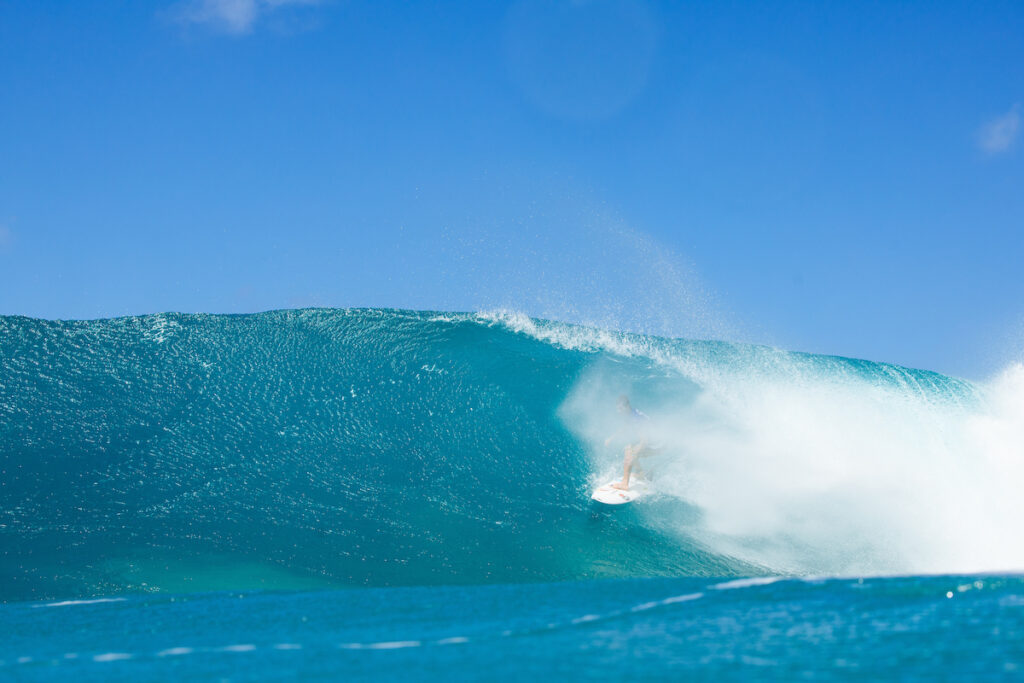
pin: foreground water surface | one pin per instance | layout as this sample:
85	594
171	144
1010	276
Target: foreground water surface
925	628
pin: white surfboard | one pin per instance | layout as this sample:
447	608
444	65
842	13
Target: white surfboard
609	495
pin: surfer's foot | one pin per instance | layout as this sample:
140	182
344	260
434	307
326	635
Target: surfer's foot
621	485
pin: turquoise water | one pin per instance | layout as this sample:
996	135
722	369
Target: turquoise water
937	628
442	464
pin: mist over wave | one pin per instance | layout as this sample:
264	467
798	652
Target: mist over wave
378	447
813	464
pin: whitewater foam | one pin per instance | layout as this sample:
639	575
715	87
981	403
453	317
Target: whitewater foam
809	464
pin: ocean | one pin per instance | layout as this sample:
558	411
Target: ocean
332	493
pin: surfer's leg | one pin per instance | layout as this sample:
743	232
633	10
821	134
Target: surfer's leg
627	468
641	452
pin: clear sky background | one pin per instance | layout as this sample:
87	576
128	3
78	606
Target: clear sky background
843	178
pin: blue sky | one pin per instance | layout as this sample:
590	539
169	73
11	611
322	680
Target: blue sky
841	178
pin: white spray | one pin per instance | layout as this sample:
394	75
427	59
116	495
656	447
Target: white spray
805	464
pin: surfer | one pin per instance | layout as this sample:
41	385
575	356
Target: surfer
635	427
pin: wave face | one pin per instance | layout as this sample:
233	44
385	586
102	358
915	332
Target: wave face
374	447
